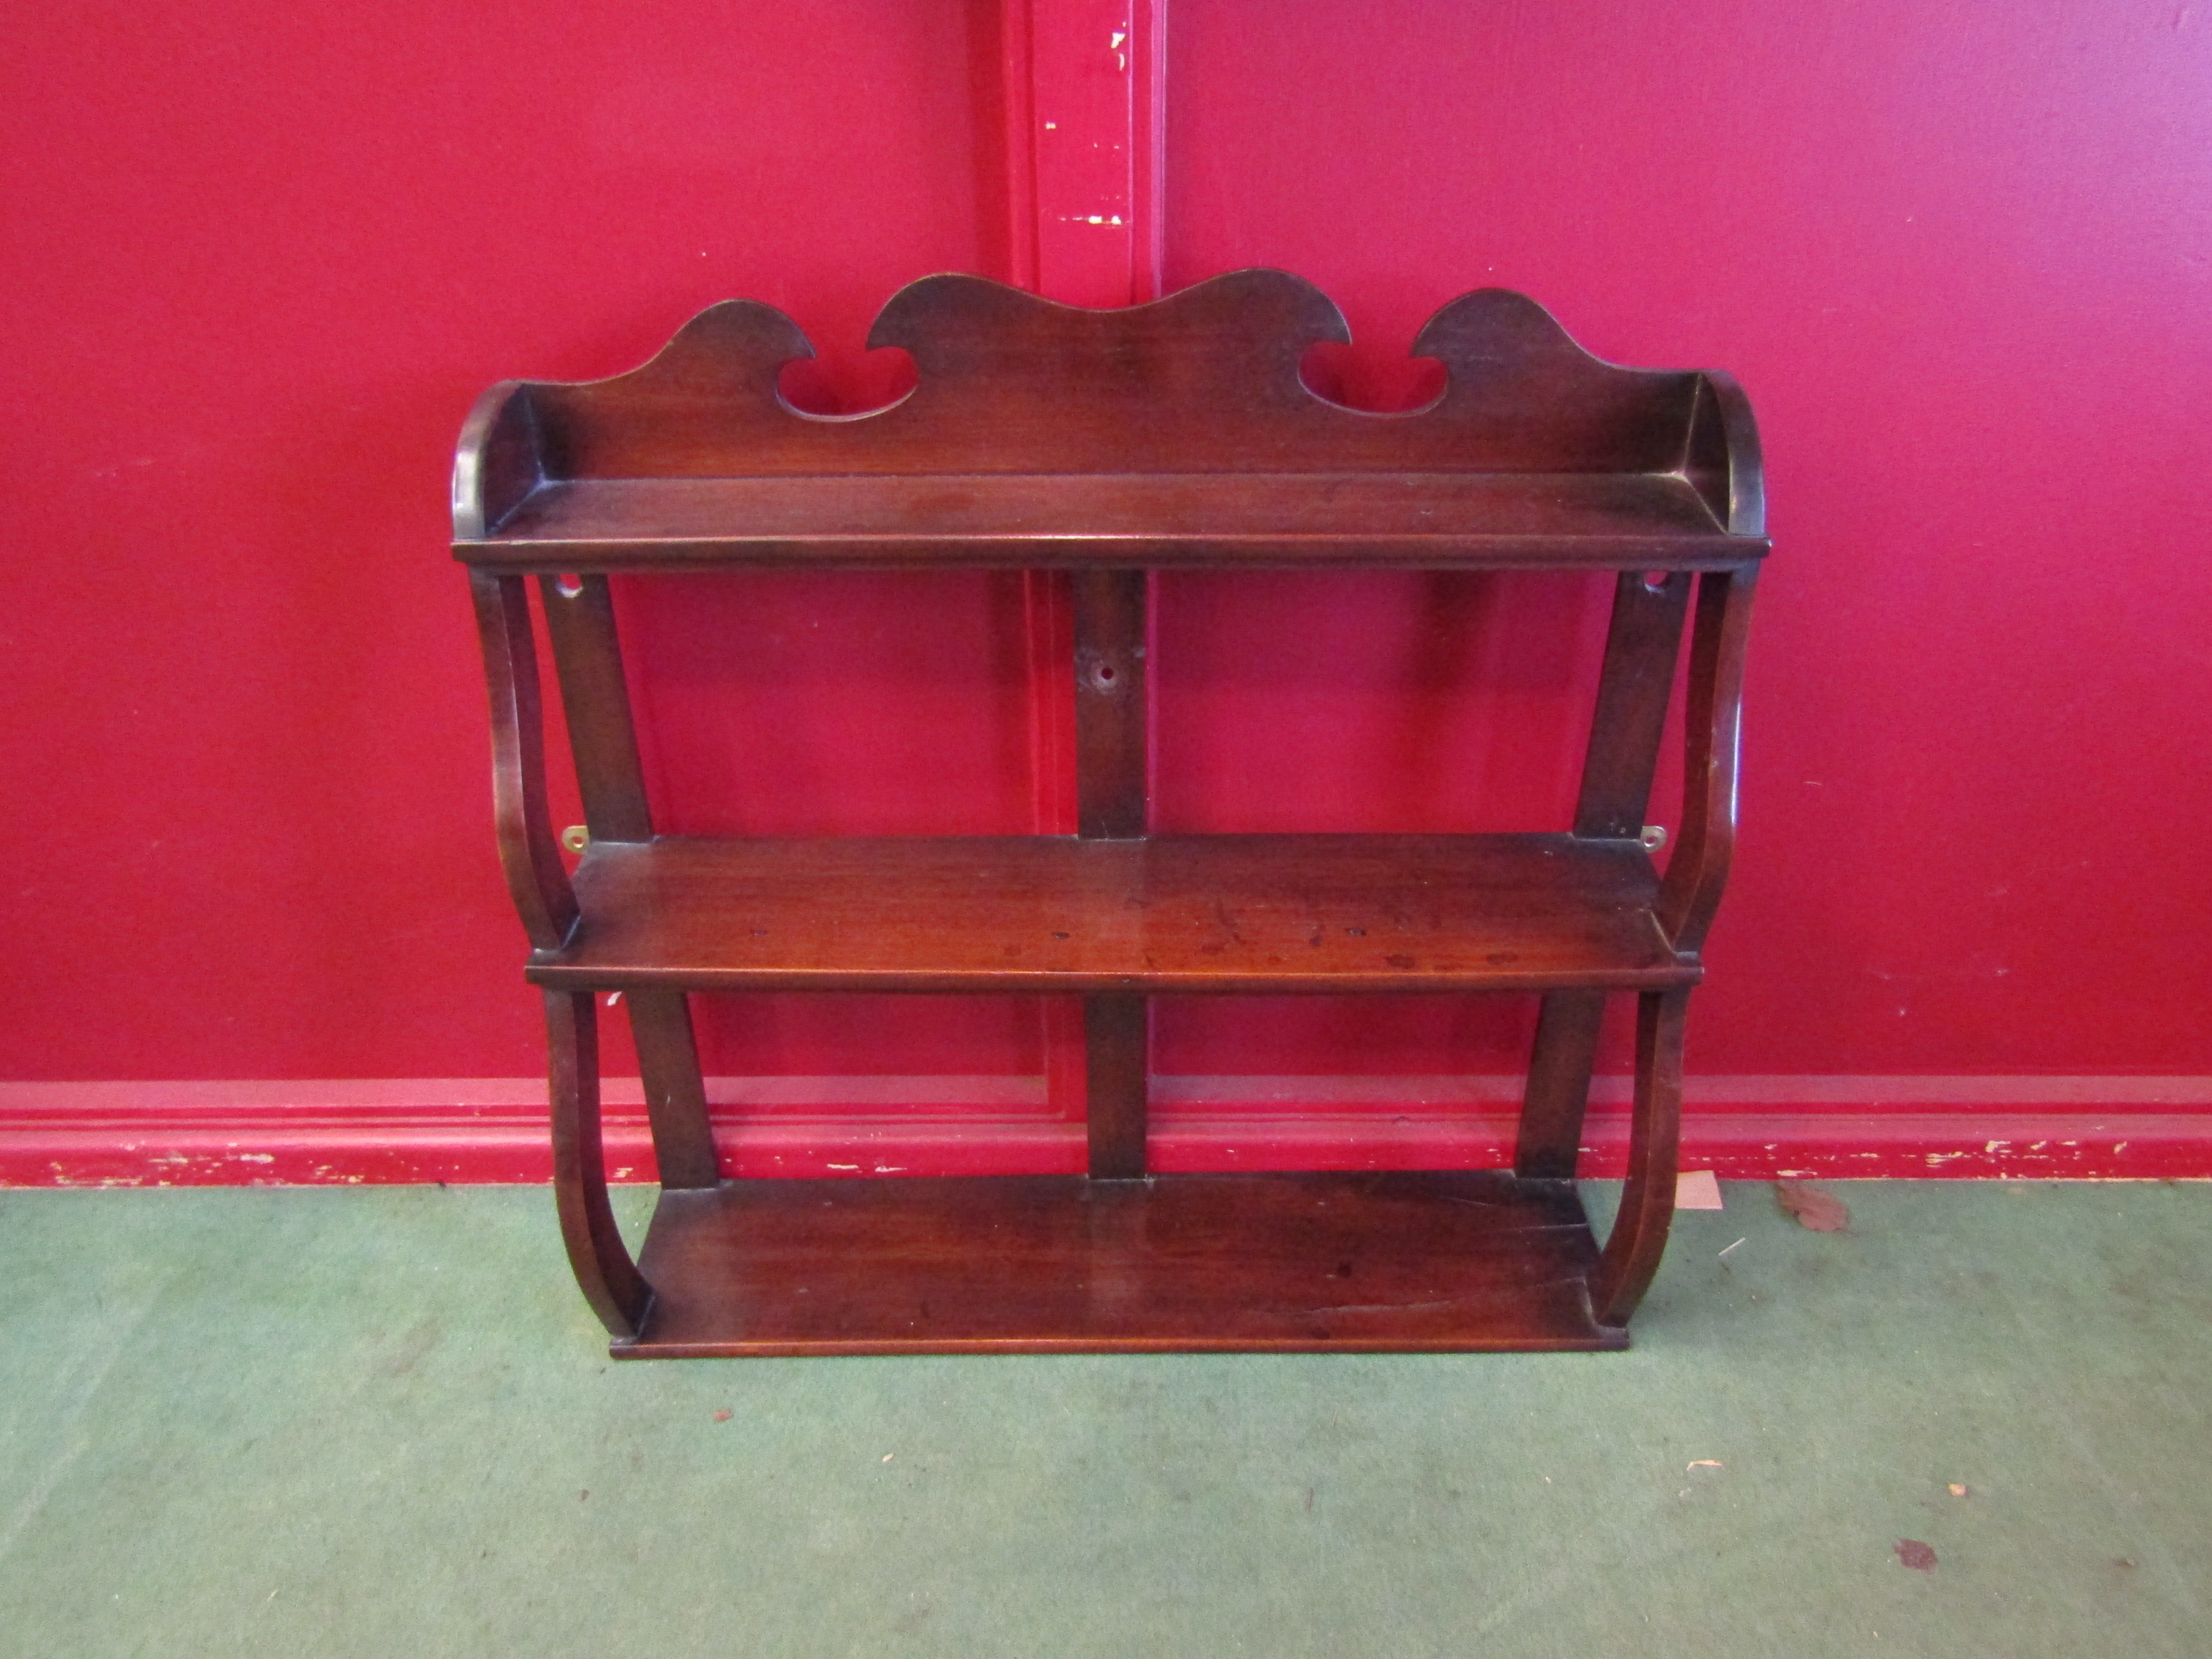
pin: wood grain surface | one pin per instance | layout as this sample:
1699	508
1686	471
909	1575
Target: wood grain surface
1180	432
1206	379
1248	520
1212	913
1044	1263
1111	443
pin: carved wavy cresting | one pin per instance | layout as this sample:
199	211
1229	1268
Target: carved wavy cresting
1204	380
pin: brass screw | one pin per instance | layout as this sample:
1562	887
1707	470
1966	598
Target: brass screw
576	838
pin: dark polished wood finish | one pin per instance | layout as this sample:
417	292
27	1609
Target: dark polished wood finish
535	878
1232	520
1045	1264
1174	433
1113	803
1109	444
579	620
675	1092
1117	1049
618	1294
1558	1093
1714	725
1205	381
1112	798
1058	913
1643	645
1647	1204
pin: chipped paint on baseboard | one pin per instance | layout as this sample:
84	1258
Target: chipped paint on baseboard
354	1131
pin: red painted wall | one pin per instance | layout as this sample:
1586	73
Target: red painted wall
1961	255
261	261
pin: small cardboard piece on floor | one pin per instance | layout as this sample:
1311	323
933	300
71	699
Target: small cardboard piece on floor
1696	1189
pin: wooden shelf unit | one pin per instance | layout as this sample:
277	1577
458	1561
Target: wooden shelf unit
1111	443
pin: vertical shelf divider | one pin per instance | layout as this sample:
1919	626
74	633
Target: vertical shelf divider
1113	791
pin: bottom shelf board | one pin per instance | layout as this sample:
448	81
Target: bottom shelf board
1442	1260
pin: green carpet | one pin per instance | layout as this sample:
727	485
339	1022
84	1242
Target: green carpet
380	1421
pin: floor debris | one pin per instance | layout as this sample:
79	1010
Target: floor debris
1912	1552
1816	1211
1696	1189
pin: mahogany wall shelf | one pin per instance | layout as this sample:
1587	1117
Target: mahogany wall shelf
1112	443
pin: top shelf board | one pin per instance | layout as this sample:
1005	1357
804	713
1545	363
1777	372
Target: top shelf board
1155	519
1181	432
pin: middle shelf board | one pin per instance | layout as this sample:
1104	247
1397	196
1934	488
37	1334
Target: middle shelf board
1171	914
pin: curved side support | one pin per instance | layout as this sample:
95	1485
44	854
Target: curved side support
535	876
1712	734
1647	1207
497	462
618	1294
1746	470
